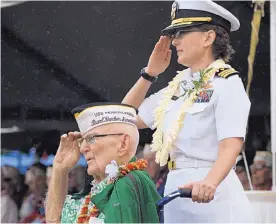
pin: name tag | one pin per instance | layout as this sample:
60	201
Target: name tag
93	220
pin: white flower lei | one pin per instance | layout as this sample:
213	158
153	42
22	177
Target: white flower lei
163	150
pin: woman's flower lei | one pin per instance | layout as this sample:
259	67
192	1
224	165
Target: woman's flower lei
192	89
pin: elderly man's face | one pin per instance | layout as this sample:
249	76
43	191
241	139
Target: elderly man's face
260	173
105	149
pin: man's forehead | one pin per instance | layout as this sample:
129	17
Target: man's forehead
100	129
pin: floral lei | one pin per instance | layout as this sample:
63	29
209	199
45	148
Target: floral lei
114	172
195	86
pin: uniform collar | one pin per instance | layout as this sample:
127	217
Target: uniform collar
219	63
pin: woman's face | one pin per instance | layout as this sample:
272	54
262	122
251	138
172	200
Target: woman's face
191	46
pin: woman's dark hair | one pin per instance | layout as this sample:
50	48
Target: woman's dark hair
222	48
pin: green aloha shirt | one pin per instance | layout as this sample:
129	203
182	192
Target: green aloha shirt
72	206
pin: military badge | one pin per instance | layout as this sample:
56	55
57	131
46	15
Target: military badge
204	96
175	7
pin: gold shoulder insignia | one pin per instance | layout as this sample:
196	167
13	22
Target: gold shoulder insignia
226	72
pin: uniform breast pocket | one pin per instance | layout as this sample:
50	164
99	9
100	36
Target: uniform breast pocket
197	108
199	118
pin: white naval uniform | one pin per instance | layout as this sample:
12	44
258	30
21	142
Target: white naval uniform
205	124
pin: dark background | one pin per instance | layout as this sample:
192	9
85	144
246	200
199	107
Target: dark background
59	55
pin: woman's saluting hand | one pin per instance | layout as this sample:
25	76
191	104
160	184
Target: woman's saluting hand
160	57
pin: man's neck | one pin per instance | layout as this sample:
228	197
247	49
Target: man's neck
126	157
123	160
99	178
201	64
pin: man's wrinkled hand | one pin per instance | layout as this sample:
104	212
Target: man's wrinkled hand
68	153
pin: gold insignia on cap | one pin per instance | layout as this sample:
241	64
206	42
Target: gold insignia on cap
191	20
174	9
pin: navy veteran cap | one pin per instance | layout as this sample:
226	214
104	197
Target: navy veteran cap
190	13
93	115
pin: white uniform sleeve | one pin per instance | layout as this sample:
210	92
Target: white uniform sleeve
232	109
146	110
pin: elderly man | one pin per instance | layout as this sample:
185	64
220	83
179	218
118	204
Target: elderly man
261	170
122	190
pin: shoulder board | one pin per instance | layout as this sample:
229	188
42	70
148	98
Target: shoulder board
226	72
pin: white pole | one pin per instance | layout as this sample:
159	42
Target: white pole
273	88
247	170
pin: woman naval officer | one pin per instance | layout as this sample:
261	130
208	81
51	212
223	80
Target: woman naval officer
200	117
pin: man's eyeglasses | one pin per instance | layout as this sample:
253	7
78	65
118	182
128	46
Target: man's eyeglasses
91	139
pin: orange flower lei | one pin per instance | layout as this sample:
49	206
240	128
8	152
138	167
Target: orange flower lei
140	164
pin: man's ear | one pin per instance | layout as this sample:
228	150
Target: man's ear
125	144
210	37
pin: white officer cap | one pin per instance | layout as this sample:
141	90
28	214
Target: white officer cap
90	116
190	13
